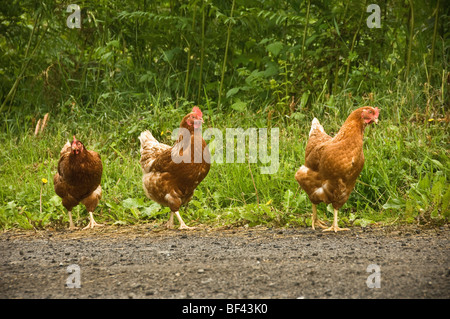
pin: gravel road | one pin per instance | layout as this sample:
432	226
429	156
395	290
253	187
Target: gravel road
147	261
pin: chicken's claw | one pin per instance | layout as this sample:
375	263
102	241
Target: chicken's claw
184	226
92	222
335	228
169	224
318	222
315	221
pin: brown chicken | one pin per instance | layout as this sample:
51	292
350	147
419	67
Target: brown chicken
78	179
332	165
171	174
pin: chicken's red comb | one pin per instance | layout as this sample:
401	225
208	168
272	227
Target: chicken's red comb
74	139
197	111
377	112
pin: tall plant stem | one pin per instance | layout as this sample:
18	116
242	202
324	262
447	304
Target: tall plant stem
225	57
27	60
352	48
436	15
306	28
186	81
202	55
411	33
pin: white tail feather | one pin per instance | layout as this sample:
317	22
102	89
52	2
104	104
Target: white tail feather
65	149
150	149
315	125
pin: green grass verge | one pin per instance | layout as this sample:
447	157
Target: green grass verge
405	178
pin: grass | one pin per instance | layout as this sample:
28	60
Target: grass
405	178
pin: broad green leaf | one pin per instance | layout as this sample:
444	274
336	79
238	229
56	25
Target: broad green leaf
132	202
232	92
275	48
304	99
437	163
55	200
239	106
394	203
363	222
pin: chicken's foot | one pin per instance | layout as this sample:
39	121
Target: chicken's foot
182	224
169	224
315	221
71	225
335	226
92	222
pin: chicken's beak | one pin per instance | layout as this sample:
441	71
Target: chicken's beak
73	146
376	120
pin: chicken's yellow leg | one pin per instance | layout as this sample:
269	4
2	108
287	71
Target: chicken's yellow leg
71	225
169	224
335	227
314	220
92	222
182	224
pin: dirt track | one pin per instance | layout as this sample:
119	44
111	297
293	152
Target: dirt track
147	262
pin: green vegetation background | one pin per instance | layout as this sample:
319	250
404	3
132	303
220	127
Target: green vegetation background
136	65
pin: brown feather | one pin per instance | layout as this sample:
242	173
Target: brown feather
78	178
165	181
332	165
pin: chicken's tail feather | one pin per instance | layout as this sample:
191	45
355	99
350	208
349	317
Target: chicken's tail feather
65	149
146	137
150	149
315	125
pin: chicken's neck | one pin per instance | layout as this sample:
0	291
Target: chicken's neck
353	127
79	158
191	142
187	136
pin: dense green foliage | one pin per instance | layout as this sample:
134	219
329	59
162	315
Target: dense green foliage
136	65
